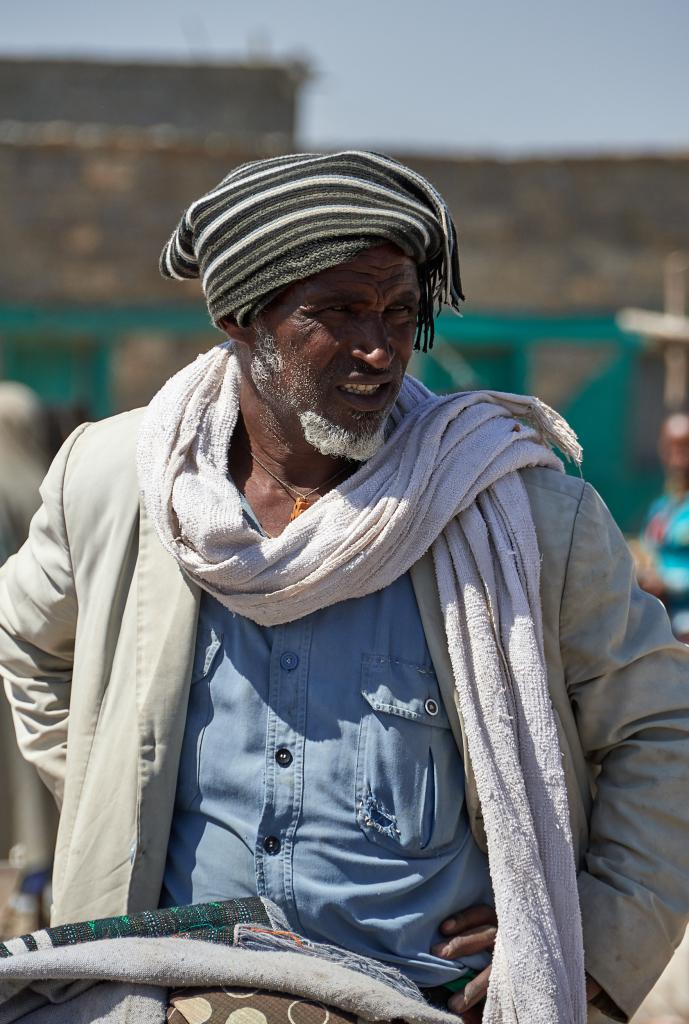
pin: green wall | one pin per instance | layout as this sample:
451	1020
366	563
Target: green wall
502	353
65	354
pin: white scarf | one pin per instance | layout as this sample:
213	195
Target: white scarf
446	480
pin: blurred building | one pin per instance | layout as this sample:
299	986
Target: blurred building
252	103
98	161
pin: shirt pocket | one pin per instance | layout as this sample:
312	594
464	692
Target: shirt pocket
199	715
409	774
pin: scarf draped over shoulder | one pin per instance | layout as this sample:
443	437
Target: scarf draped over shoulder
446	480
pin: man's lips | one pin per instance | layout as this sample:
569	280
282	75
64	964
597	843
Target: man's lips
366	394
362	389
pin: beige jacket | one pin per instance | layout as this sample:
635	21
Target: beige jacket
669	999
97	632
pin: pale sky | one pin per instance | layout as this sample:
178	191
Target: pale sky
497	76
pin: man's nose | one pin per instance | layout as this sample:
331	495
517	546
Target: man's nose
373	345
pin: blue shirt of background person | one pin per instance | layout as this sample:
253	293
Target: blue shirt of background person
666	534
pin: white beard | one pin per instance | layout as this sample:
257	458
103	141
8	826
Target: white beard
329	439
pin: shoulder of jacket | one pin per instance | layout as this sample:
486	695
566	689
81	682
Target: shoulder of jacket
544	484
122	428
112	440
555	499
102	459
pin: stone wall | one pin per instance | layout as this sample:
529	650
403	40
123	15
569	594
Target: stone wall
88	220
84	216
565	235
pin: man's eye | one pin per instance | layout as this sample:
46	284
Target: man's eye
314	312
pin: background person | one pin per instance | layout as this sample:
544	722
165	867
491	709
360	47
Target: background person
24	459
664	561
27	810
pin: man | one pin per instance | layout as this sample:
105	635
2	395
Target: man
337	576
27	814
665	541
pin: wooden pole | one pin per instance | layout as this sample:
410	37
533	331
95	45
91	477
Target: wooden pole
668	331
676	356
675	280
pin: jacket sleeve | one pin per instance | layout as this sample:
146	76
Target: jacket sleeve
38	617
628	681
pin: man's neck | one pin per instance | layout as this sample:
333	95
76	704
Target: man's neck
272	470
294	461
677	486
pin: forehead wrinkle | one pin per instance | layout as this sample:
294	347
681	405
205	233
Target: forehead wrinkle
346	296
399	270
355	284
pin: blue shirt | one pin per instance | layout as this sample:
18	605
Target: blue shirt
319	769
667	536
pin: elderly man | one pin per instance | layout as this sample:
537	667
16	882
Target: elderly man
335	641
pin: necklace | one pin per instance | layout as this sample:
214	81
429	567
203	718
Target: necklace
300	503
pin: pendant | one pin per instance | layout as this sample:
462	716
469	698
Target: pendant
300	505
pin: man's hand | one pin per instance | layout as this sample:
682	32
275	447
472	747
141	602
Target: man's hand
650	581
471	931
593	989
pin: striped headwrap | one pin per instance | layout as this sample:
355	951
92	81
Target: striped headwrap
273	222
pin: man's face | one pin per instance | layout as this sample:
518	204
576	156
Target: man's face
328	355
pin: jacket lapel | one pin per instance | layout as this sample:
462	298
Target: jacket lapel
167	615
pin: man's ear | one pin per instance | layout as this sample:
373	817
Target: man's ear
233	331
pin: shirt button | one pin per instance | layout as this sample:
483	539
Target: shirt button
289	661
283	757
431	706
271	844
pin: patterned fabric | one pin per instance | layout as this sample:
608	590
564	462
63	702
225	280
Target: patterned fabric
252	924
210	922
273	222
249	1006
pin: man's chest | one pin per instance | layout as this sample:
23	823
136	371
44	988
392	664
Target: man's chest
334	720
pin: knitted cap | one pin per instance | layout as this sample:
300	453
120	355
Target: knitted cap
273	222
